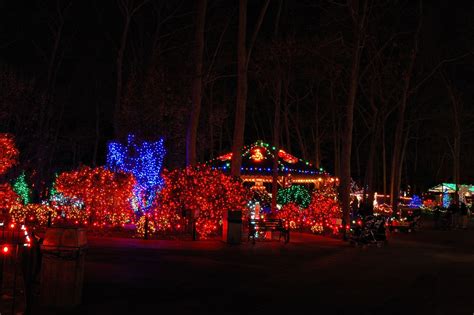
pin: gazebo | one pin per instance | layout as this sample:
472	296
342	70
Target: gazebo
465	192
257	164
450	188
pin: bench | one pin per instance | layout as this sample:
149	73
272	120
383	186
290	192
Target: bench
265	225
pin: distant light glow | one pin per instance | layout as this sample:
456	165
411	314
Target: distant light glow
446	199
415	202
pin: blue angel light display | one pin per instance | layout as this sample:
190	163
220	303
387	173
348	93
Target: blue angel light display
143	159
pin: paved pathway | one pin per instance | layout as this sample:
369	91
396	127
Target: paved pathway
430	272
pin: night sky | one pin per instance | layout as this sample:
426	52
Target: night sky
313	43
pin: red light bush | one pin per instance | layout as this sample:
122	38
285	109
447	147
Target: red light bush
106	195
202	191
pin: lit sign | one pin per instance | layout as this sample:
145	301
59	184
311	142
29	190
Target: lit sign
257	154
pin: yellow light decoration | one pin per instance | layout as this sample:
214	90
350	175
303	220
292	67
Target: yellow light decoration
141	227
32	213
317	228
18	213
257	154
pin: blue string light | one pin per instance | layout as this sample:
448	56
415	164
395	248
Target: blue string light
143	159
446	199
415	202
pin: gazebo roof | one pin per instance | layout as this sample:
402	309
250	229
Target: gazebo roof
257	160
451	188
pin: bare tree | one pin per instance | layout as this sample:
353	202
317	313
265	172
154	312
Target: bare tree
455	143
56	27
276	139
191	136
379	91
359	17
398	142
270	75
128	8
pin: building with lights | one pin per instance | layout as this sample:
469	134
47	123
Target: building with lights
445	192
257	165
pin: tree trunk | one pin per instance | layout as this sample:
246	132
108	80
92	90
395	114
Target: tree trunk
54	63
457	160
128	8
317	146
336	135
276	144
457	172
398	140
317	140
239	124
119	70
97	134
357	160
369	181
456	147
287	124
345	188
243	57
191	136
299	136
370	170
384	162
211	124
57	33
402	159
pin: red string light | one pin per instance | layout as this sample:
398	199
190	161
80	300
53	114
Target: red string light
292	214
202	191
8	197
106	195
321	214
8	152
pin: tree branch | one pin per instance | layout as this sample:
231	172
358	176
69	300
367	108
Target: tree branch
257	28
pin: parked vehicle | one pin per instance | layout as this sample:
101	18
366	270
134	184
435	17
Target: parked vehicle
369	230
408	221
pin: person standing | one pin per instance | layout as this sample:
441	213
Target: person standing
437	216
355	207
463	213
452	212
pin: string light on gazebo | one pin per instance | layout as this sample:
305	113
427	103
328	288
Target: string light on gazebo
257	166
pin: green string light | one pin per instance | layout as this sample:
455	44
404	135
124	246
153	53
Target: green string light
53	191
296	194
20	186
